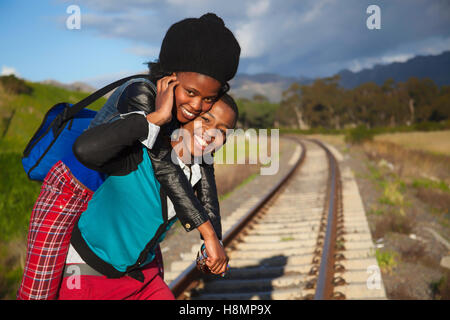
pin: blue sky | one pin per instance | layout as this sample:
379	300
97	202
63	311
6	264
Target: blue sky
312	38
38	46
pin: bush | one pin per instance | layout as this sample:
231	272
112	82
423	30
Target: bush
430	126
359	135
441	288
427	183
387	260
14	85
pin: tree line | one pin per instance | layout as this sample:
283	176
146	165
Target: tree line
325	104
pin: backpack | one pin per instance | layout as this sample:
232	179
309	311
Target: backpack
61	126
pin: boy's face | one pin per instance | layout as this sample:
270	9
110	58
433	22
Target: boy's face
207	132
194	95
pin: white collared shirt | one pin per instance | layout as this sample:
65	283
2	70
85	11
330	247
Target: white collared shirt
193	175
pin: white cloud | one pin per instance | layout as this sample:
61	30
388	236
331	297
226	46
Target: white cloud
105	79
149	52
191	2
258	9
248	36
6	71
429	46
396	58
308	37
434	46
315	11
365	63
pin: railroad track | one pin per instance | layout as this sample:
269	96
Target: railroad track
297	242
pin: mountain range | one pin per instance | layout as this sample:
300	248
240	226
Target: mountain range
75	86
435	67
270	85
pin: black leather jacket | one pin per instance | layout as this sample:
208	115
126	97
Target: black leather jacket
191	210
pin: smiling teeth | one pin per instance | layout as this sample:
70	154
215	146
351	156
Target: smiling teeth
188	113
201	141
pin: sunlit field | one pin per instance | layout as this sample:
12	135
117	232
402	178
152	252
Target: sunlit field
437	142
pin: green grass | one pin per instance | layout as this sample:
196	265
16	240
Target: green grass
428	183
392	188
387	260
17	197
20	116
393	193
375	174
442	216
375	211
17	192
359	135
29	111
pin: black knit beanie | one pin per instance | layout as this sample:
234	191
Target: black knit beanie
203	45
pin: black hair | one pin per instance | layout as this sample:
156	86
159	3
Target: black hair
156	72
229	101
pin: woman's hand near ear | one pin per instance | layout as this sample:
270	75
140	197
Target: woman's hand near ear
164	100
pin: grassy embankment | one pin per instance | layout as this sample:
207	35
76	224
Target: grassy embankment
20	117
417	160
410	175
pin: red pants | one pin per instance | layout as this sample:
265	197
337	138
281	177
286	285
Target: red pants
126	288
59	205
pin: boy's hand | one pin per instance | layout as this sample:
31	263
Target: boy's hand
217	260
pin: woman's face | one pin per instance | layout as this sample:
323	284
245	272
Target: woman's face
207	132
194	95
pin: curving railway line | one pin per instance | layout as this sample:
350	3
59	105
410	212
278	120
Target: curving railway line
307	238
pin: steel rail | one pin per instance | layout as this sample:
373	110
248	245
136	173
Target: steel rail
186	280
324	284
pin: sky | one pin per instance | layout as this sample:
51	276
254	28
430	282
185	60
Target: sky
299	38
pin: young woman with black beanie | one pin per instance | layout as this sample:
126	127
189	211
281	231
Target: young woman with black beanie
197	59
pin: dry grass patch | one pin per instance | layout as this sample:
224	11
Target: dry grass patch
392	221
410	163
437	142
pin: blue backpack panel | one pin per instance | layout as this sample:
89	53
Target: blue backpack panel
61	126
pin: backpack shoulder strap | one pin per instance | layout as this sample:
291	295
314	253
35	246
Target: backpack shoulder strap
77	107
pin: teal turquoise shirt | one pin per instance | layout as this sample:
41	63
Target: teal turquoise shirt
123	216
